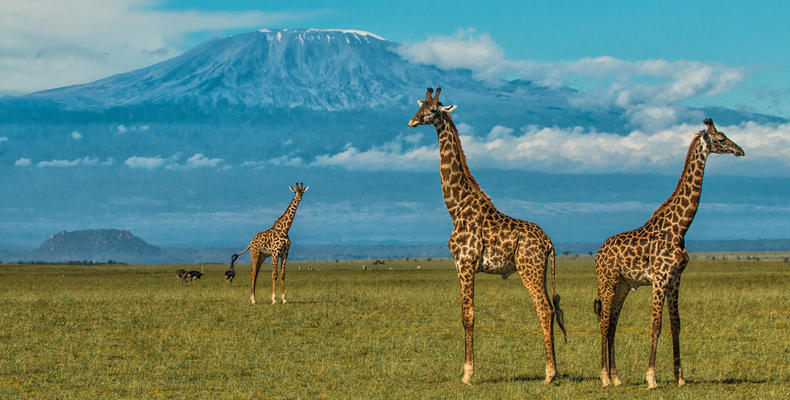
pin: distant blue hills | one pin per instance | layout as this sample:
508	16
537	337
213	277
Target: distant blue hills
270	97
121	246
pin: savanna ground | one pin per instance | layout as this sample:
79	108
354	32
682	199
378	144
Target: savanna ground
137	332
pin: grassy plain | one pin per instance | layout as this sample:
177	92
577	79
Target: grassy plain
136	332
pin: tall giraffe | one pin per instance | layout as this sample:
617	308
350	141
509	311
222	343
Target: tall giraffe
485	240
654	254
273	242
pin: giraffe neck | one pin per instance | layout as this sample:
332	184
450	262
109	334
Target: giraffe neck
285	220
679	209
458	185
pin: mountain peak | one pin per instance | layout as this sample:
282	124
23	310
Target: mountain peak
278	33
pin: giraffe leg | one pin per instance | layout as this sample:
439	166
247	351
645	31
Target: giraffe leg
674	320
274	278
621	291
607	284
536	284
256	259
603	319
659	292
283	261
467	279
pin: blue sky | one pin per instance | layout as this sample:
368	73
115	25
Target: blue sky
53	42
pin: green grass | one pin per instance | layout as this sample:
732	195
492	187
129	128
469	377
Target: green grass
136	332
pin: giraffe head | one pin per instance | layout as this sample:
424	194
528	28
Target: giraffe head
299	189
431	110
716	142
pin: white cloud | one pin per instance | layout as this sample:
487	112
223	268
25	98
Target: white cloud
138	128
576	150
198	160
52	43
285	161
148	163
464	49
388	157
647	89
58	163
23	162
86	161
76	135
254	164
281	161
3	139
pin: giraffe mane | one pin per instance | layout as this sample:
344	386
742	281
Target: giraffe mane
696	137
467	173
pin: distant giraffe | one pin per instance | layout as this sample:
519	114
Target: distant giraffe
654	254
273	242
485	240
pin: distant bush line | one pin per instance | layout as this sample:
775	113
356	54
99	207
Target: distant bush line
73	262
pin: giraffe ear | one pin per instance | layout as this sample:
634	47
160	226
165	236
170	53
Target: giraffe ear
449	108
292	189
420	102
305	188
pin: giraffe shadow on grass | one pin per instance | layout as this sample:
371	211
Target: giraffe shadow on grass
531	378
726	381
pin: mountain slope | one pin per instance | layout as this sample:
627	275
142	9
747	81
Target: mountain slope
97	245
313	69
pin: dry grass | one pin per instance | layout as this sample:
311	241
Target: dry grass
137	332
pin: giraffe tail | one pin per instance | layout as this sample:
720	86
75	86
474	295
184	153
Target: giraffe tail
555	299
234	257
597	307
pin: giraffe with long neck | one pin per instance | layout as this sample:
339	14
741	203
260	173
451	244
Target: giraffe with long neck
655	255
485	240
275	243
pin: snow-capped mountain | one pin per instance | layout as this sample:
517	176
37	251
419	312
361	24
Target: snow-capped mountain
308	68
317	70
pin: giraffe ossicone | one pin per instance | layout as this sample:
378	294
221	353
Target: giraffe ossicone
485	240
654	255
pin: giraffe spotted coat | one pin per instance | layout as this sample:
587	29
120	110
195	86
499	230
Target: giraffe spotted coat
485	240
275	243
654	255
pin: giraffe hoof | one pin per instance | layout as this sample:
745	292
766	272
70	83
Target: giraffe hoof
616	381
466	381
605	380
681	382
284	301
651	379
